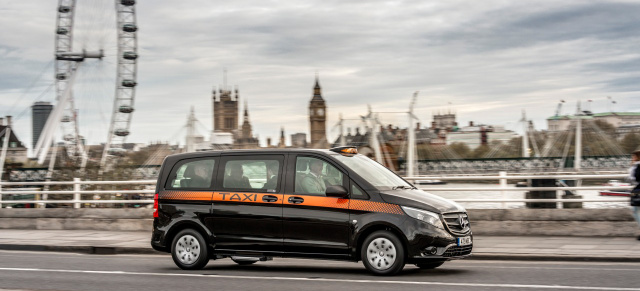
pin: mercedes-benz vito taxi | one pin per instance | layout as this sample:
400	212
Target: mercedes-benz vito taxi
253	205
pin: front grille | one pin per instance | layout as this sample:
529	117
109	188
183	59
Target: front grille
457	223
458	251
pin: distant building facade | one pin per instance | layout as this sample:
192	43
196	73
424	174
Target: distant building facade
39	114
225	110
16	151
477	135
245	139
446	122
299	140
226	122
624	122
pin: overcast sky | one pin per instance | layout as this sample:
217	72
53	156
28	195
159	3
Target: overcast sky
486	60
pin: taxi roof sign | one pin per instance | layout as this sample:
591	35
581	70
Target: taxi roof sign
345	150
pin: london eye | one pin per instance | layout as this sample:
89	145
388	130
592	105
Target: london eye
95	73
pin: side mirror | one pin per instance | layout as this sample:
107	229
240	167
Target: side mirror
336	191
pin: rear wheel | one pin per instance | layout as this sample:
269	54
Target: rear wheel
382	253
189	250
430	265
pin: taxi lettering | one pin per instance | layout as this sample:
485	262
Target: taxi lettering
242	197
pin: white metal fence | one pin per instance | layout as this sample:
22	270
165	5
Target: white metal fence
502	178
77	192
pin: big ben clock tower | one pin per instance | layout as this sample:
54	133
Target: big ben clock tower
317	118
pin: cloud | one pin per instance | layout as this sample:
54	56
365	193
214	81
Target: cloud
489	59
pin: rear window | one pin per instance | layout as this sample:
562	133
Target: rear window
192	174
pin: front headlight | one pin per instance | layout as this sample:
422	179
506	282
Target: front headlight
424	215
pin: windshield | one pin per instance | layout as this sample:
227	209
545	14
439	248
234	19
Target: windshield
375	173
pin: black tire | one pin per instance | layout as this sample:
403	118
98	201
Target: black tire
430	265
189	250
382	253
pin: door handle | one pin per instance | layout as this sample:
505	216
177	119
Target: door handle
269	198
296	200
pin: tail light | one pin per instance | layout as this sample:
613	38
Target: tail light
155	206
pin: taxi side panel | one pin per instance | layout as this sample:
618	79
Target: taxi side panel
314	225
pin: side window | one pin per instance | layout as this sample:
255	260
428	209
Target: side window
357	193
314	175
192	174
255	175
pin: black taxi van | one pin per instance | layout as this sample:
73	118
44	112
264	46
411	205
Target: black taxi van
253	205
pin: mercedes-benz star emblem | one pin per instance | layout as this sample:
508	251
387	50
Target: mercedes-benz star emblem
462	222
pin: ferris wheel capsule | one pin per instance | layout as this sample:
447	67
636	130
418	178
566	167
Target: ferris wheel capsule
128	2
62	31
129	27
121	132
125	109
64	9
129	83
130	55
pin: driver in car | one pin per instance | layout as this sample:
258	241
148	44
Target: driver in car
314	183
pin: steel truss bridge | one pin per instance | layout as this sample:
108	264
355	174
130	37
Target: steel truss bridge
533	164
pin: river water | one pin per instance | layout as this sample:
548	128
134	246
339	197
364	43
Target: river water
472	194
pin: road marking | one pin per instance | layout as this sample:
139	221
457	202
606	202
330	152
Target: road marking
326	280
560	262
549	268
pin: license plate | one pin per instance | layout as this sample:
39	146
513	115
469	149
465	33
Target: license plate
463	241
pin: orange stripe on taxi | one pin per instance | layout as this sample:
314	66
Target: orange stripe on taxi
312	201
372	206
185	195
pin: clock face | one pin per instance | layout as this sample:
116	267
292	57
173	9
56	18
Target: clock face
320	112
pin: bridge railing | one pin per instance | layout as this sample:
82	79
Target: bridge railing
77	192
503	187
502	178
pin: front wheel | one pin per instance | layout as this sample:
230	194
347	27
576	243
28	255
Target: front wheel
189	250
382	253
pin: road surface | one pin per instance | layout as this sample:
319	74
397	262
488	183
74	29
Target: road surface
66	271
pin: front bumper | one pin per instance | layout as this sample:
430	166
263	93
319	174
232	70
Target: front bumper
450	252
429	243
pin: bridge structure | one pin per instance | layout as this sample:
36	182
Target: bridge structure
522	165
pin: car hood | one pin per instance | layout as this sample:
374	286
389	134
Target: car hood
420	199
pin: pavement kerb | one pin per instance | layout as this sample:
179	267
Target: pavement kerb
100	250
474	256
